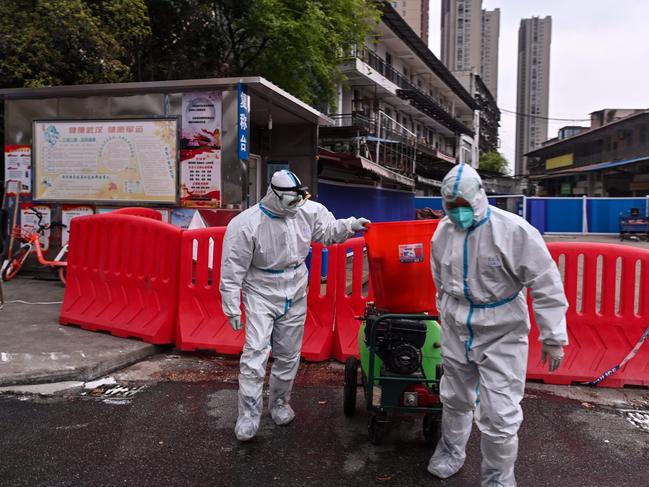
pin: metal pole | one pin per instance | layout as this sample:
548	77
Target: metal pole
378	137
584	214
525	207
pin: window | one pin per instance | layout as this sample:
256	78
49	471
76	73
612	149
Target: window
642	134
388	59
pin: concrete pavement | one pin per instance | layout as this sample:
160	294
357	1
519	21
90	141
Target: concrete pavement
180	433
35	349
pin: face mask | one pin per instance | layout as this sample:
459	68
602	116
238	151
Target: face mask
462	216
290	201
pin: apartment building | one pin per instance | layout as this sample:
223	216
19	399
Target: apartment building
402	120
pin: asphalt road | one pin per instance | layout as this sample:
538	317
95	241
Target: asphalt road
173	433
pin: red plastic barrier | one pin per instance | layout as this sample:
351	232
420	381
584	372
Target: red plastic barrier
349	306
201	322
318	328
600	336
399	260
139	211
123	277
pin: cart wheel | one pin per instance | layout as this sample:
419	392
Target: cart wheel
349	391
432	429
376	428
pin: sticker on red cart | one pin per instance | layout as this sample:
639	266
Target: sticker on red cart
411	253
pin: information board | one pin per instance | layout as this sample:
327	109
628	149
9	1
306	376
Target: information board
101	161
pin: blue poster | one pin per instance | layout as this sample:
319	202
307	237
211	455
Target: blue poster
243	134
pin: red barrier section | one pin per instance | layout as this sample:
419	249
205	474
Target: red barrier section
352	304
321	303
123	277
603	323
201	322
141	212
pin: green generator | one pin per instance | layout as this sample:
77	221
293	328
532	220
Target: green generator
401	366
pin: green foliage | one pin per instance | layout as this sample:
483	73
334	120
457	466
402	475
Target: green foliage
494	161
53	42
308	39
296	44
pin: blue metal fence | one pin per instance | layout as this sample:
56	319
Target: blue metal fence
563	215
377	204
604	214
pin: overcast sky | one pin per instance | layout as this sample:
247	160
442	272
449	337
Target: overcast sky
599	57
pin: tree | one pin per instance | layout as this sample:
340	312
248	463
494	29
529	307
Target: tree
296	44
54	42
495	162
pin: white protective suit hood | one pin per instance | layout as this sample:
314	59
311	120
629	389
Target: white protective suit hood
464	182
280	180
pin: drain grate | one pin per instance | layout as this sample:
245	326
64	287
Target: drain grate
114	390
638	418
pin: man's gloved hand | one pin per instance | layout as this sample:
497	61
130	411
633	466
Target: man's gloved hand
553	354
359	224
236	323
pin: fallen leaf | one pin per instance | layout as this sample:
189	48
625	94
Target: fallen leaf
383	478
322	402
587	405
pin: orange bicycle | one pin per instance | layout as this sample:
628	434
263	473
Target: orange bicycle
29	241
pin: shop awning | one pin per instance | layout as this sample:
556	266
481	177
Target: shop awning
360	162
433	183
384	172
591	167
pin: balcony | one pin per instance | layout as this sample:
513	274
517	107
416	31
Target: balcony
388	144
430	106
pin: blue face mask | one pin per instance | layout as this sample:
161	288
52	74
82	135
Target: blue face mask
462	216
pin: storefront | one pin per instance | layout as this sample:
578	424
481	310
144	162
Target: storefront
176	146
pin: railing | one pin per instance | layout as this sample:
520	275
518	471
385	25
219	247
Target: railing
368	126
377	63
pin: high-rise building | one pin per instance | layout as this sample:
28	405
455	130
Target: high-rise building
461	34
415	13
470	40
533	87
489	50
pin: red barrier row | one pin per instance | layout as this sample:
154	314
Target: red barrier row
603	323
123	277
137	277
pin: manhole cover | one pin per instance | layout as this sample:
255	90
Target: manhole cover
638	418
113	390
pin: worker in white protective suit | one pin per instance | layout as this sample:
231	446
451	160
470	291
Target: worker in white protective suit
483	259
264	250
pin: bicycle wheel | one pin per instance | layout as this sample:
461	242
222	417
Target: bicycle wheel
15	264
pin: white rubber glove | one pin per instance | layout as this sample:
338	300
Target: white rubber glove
236	323
359	224
553	354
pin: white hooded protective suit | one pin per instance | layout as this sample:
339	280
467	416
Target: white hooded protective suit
264	250
481	275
